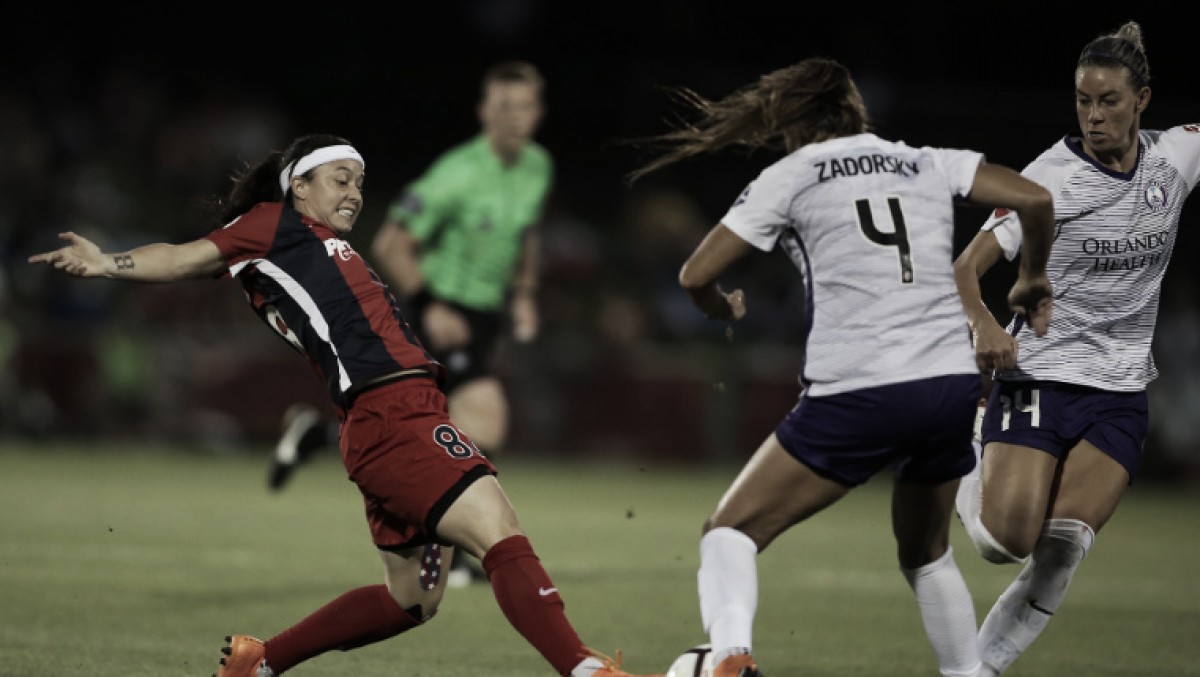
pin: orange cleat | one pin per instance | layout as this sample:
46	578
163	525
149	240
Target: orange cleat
243	658
612	668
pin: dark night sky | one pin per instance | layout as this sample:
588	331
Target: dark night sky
400	79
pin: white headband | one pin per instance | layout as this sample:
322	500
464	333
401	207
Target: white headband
318	157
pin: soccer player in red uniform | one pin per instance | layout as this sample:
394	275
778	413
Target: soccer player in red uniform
425	486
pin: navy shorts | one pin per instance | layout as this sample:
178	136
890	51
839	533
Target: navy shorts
1054	417
922	429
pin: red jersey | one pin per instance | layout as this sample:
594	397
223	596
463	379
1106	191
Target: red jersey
312	288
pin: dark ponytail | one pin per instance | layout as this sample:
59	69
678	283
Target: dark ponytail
260	182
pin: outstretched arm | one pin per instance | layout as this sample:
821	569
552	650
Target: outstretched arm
159	262
698	277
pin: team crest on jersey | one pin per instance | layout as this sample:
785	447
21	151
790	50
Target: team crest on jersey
1156	196
275	320
340	248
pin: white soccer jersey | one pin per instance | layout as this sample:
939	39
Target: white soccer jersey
1114	237
869	223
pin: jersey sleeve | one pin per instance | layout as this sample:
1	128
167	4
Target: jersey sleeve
760	213
249	236
960	167
425	202
1181	146
1005	224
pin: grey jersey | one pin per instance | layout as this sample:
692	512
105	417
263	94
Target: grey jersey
869	223
1114	237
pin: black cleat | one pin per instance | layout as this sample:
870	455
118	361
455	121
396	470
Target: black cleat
303	433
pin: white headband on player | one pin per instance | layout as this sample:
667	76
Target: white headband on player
318	157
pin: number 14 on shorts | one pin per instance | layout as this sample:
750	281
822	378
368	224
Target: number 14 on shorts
1024	401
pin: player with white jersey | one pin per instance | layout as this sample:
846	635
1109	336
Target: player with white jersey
1063	429
1115	238
869	223
888	378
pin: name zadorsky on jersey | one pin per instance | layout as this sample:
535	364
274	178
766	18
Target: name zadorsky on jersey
875	163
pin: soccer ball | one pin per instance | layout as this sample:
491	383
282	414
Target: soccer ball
695	662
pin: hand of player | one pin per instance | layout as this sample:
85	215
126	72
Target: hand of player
525	319
81	257
737	304
995	348
445	328
1033	298
717	305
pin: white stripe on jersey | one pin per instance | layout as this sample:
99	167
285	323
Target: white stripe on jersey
869	223
297	292
1115	235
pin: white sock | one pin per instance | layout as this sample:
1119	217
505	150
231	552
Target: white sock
728	587
1023	610
948	614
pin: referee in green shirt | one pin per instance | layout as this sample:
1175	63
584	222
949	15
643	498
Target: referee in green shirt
460	245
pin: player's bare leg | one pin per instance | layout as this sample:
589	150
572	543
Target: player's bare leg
483	522
1089	489
773	492
480	408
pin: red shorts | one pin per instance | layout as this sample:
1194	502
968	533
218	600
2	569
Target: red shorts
408	459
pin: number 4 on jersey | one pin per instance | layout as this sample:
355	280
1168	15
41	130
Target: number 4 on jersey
898	238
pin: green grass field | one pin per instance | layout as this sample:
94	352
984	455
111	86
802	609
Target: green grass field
137	562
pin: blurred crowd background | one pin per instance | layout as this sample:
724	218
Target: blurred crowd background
117	126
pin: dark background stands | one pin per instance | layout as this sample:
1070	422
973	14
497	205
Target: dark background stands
117	124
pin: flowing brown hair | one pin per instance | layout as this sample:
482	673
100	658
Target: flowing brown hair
786	109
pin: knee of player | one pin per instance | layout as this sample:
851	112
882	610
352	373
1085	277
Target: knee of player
421	596
1006	546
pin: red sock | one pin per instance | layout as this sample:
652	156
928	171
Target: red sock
360	617
531	603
